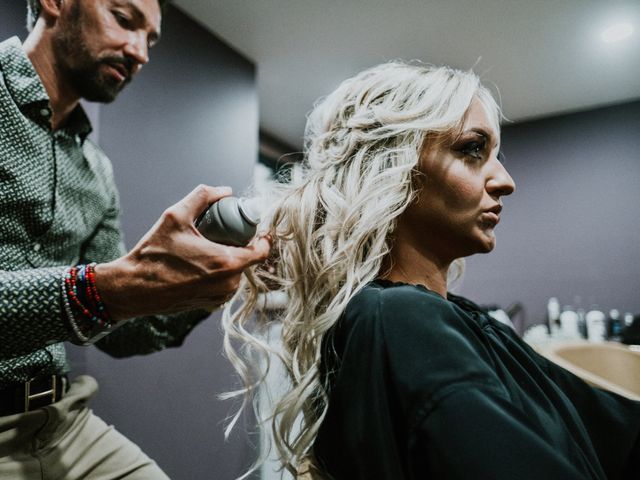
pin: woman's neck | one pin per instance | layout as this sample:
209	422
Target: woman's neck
410	265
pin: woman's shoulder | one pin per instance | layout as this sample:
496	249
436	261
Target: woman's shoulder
400	307
429	342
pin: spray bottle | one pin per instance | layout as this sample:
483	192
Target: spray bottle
230	221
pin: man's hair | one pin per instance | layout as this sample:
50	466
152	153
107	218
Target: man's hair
34	9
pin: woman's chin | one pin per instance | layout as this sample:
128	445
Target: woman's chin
488	241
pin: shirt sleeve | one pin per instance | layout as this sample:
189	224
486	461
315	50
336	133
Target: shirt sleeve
144	335
30	311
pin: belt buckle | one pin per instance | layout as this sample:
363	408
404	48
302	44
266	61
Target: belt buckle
28	397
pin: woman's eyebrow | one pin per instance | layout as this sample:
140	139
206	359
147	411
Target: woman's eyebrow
487	133
480	131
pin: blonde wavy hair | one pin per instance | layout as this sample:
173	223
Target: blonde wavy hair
332	231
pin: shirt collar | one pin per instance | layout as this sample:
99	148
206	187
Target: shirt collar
24	85
79	123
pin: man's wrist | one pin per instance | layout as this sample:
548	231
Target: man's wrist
112	283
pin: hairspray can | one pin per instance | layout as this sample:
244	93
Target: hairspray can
231	221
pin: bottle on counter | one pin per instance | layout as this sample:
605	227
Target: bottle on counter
628	319
596	327
631	332
569	323
553	317
614	325
582	323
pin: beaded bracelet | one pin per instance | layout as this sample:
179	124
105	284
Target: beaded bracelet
82	302
67	308
94	295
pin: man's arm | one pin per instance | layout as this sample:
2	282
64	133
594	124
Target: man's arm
172	269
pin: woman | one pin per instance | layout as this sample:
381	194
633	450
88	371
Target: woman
390	376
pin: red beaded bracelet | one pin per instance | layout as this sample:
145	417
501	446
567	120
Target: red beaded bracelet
80	287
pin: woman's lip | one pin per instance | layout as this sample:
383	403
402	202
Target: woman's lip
490	217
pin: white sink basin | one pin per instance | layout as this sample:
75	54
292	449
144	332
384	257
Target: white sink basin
607	365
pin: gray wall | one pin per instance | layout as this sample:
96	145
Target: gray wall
571	229
190	117
13	16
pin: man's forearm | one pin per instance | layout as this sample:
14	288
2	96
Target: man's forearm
115	280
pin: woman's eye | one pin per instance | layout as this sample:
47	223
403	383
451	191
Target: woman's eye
473	149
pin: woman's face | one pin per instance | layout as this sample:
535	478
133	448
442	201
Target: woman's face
458	207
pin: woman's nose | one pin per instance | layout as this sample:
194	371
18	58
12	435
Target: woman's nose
499	182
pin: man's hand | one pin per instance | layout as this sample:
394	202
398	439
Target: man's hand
173	267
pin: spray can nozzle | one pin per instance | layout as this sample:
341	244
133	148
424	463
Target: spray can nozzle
231	221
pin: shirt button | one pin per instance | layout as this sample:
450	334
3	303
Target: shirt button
45	112
36	247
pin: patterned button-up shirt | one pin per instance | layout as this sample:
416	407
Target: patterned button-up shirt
58	207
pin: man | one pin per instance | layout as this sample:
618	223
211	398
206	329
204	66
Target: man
64	274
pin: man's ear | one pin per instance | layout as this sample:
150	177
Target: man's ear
51	9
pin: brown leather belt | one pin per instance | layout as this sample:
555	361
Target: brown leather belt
36	393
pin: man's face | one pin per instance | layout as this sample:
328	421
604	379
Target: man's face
99	45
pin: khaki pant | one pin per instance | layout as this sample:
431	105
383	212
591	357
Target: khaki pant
65	441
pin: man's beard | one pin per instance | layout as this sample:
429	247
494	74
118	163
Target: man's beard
90	83
81	69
